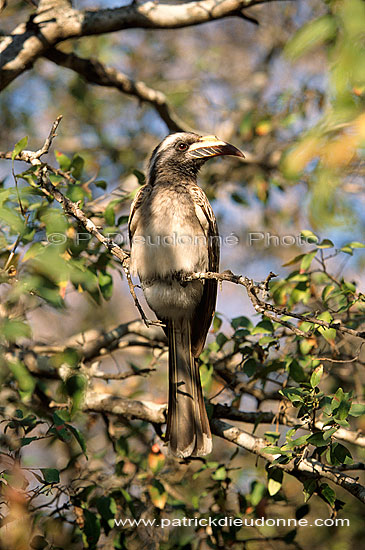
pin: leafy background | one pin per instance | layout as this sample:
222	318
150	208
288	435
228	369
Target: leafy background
290	93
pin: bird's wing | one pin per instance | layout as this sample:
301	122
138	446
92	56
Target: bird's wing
141	195
204	312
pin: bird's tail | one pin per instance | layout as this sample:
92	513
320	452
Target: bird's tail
188	432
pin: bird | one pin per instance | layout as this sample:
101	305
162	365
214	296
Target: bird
173	233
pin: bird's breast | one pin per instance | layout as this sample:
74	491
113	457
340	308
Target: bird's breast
168	238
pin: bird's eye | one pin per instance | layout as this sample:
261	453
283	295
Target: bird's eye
182	146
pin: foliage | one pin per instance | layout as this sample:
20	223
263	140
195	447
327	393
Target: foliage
71	464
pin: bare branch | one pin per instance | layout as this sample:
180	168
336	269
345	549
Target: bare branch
56	21
95	72
127	408
273	312
93	343
72	209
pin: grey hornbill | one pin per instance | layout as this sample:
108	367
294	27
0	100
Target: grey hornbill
173	233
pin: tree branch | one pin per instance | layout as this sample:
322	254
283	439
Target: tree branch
270	311
253	289
56	21
299	468
230	413
95	72
155	413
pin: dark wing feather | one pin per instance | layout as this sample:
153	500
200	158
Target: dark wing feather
203	314
142	193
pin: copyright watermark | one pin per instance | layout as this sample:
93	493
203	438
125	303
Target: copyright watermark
260	239
233	521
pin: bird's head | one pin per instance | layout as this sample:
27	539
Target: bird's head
183	154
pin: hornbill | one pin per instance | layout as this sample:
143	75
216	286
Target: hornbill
173	233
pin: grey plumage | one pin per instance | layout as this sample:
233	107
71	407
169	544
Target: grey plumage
173	232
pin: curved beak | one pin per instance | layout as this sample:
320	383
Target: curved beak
211	146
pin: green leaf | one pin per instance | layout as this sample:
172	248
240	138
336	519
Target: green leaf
217	323
77	166
19	147
309	486
328	494
309	236
328	334
310	36
75	192
327	291
274	450
267	340
249	367
239	199
101	183
257	492
294	260
307	260
13	330
158	494
326	243
79	438
241	322
50	475
76	385
272	437
11	218
341	404
221	339
295	395
339	455
106	284
316	376
107	508
24	379
220	474
357	409
64	162
122	220
122	446
356	244
91	529
327	434
317	439
347	249
109	214
264	327
296	371
275	481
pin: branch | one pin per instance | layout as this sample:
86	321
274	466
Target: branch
56	21
155	413
94	343
253	289
270	311
127	408
299	468
95	72
230	413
